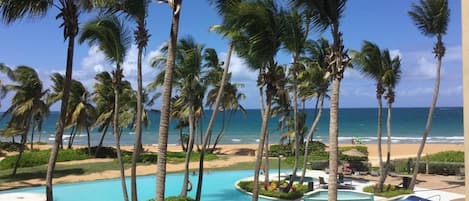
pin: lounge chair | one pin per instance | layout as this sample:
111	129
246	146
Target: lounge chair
322	182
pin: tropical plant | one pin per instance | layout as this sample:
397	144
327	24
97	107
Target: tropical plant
431	17
175	6
69	12
377	64
327	14
27	103
296	29
312	83
137	11
390	79
258	43
113	39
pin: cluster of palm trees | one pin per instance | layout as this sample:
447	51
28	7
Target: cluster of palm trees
257	30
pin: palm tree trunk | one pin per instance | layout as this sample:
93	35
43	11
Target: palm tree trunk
428	125
266	163
88	138
138	128
63	115
208	133
24	137
388	154
333	139
190	146
164	119
222	131
295	126
310	136
101	140
71	136
379	187
265	118
116	130
32	135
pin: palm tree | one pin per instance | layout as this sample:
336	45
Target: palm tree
103	96
27	103
391	77
369	59
137	10
113	39
259	23
82	114
175	6
312	83
296	29
327	14
431	18
69	11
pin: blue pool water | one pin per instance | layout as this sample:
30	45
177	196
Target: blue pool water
218	185
341	195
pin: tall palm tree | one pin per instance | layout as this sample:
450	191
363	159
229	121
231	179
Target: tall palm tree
312	83
296	29
69	11
259	23
369	59
137	11
391	77
379	66
327	14
431	18
175	6
223	8
114	40
26	104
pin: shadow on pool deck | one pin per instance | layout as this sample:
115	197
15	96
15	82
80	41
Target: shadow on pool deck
41	174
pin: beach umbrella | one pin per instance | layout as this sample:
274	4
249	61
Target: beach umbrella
354	153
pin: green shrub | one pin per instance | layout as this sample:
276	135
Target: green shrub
175	198
143	158
319	165
292	195
288	150
35	158
388	191
441	168
447	156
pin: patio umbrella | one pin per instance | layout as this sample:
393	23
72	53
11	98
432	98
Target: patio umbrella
354	153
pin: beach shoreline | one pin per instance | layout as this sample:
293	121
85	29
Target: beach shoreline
229	154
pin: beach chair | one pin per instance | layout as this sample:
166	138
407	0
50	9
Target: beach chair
322	182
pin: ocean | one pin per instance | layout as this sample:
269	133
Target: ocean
357	123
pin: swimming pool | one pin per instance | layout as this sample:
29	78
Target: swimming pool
341	195
218	185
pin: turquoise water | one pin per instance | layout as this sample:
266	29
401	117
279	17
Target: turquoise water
218	185
341	195
407	127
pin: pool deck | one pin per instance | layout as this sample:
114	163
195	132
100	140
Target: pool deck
430	194
23	197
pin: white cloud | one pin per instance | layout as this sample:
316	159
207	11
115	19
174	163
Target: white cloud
394	53
94	57
427	69
239	69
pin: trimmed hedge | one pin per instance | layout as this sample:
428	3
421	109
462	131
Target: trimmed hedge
35	158
440	168
447	156
297	190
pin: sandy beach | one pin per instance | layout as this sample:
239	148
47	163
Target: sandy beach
236	153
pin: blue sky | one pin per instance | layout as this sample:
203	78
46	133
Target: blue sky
39	43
